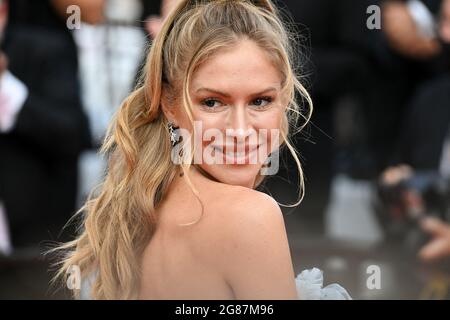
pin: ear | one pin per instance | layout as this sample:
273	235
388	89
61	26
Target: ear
167	105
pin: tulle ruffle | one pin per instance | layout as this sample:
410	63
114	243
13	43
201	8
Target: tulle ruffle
310	287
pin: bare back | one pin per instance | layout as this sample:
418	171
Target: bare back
174	265
234	246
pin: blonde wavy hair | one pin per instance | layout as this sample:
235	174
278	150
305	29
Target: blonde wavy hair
120	217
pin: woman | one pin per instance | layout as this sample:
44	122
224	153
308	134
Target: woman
177	216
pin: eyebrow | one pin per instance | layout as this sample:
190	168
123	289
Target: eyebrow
224	94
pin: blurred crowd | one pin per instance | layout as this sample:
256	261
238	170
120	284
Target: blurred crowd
381	120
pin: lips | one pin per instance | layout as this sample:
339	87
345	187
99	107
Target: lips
235	149
236	153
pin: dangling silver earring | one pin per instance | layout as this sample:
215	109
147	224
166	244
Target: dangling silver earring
173	133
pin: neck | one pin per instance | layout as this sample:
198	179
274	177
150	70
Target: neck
200	170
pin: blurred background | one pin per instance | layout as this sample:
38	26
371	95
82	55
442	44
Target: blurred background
376	153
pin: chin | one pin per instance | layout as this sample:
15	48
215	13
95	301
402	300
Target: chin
234	174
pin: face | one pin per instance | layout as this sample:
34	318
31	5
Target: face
237	109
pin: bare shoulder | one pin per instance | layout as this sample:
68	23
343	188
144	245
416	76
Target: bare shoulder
249	208
237	212
236	200
246	215
236	209
250	246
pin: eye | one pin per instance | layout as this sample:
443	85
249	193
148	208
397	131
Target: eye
262	102
211	103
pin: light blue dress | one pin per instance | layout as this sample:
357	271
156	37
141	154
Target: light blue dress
309	285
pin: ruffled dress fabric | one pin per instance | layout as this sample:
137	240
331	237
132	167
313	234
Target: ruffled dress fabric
309	285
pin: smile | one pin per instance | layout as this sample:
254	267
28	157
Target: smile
238	155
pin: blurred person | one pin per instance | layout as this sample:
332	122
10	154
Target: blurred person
418	30
110	54
157	222
412	52
154	13
422	161
43	126
154	22
349	81
352	74
416	34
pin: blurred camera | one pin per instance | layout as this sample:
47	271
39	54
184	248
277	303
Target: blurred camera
405	202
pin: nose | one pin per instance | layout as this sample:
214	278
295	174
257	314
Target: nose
239	127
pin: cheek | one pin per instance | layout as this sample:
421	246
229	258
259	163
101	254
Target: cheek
211	125
270	119
270	122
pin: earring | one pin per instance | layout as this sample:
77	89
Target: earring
173	133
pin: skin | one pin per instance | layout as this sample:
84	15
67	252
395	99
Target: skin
444	26
153	24
402	34
439	245
239	248
91	10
